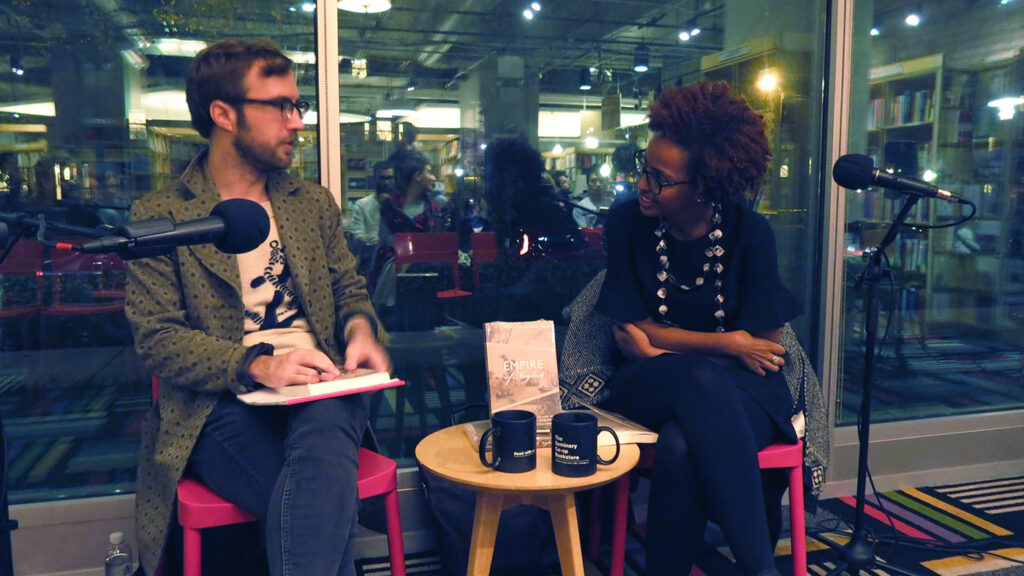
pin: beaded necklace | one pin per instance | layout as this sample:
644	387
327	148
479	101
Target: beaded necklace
713	262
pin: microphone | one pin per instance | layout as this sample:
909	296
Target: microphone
234	226
857	171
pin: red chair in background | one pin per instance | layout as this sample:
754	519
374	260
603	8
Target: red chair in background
789	456
199	508
24	260
594	237
430	248
485	250
69	264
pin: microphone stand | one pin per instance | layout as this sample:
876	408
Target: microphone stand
858	554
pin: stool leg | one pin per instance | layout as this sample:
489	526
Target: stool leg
485	530
193	552
798	529
567	533
396	549
619	526
594	533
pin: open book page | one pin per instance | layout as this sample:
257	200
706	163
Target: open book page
355	382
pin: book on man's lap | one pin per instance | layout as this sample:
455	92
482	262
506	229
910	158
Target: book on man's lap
355	382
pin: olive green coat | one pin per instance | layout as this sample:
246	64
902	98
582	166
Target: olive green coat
186	314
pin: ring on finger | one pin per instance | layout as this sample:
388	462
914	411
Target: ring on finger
776	360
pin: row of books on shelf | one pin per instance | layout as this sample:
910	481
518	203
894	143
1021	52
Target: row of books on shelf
911	107
912	255
879	205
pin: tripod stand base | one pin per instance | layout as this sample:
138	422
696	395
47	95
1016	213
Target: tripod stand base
859	554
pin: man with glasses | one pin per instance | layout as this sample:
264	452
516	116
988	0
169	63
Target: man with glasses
212	325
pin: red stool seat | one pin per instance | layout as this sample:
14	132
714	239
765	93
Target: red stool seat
199	508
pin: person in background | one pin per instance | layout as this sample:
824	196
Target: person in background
694	284
597	198
532	231
562	184
410	210
404	136
213	325
12	185
365	226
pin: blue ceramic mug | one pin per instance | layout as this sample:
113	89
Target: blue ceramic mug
513	434
574	444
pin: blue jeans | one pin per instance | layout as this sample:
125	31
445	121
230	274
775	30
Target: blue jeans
294	467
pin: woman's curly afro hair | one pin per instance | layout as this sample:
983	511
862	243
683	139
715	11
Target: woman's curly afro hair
725	138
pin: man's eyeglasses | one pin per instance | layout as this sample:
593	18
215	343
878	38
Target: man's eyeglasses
286	106
655	181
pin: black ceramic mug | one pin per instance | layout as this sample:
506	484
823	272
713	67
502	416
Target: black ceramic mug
514	436
574	444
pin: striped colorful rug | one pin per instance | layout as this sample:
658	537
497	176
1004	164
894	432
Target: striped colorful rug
974	529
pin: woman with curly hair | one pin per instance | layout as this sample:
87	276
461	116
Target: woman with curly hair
694	286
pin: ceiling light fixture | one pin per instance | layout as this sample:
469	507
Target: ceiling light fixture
875	31
695	30
912	19
684	36
411	85
528	14
364	6
309	6
641	58
1007	106
585	83
536	6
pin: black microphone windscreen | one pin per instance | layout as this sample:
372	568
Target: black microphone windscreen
246	225
853	171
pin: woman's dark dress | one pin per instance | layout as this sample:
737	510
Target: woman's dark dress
712	417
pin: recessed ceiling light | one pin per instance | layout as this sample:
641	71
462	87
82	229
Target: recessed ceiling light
912	19
308	6
535	6
364	6
875	31
528	14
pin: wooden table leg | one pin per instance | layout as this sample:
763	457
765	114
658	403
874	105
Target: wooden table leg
485	530
567	533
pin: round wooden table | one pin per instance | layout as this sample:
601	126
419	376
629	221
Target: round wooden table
450	454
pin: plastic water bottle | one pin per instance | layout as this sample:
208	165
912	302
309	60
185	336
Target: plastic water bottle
119	557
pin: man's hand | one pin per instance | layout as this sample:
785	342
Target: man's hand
362	348
633	342
758	355
295	367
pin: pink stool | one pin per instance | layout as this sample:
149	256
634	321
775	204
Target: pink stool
199	508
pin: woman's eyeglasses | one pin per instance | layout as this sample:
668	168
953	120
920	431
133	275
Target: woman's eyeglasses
655	181
287	107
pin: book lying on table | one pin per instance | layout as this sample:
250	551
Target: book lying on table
629	432
355	382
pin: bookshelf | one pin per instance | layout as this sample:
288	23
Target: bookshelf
929	121
576	162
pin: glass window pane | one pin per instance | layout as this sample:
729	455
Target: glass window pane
947	113
92	117
574	91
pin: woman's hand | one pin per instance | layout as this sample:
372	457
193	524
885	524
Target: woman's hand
758	355
634	343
